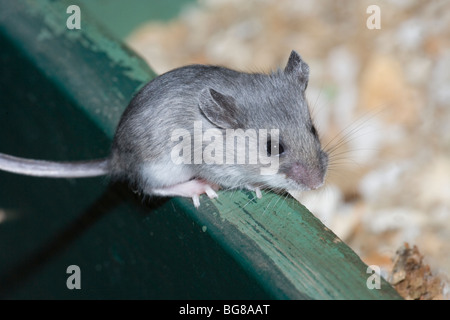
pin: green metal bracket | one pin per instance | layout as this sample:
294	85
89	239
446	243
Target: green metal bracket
61	95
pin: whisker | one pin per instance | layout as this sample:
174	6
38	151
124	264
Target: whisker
344	134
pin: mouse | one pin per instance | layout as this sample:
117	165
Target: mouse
199	128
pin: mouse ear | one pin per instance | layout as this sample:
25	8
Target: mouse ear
298	67
220	109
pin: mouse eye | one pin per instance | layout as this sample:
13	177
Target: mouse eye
313	130
274	149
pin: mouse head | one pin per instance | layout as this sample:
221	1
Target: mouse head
270	116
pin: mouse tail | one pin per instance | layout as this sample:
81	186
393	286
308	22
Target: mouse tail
50	169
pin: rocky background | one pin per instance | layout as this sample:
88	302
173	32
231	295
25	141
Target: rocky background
381	102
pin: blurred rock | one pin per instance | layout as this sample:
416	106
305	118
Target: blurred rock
383	87
412	278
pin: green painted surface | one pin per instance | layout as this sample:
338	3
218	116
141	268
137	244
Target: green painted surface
307	255
105	101
61	96
120	18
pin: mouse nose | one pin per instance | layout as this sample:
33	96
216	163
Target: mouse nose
311	177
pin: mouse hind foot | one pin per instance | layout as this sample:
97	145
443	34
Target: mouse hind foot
190	189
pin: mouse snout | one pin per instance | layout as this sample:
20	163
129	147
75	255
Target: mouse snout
309	176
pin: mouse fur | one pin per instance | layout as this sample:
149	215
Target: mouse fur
218	98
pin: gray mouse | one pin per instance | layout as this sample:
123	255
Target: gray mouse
180	114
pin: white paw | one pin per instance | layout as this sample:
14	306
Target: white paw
191	189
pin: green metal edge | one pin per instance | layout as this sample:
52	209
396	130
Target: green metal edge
291	251
276	240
